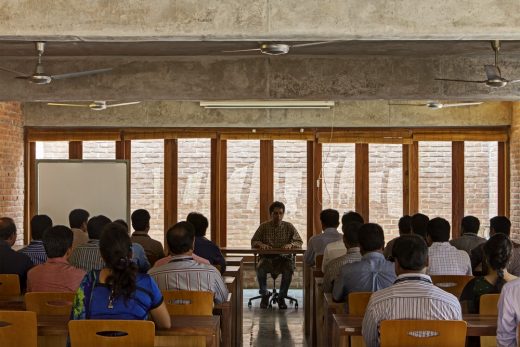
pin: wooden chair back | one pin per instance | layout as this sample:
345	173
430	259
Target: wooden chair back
489	304
412	333
9	285
111	333
453	284
357	303
186	302
49	304
18	328
319	261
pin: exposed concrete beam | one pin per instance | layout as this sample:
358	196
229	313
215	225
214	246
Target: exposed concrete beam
260	19
198	78
375	113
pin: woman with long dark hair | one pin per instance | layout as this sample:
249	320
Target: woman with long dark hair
118	291
497	251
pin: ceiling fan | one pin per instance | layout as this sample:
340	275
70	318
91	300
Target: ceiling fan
493	74
40	77
437	105
275	48
95	105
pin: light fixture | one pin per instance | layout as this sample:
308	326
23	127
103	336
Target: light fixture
240	104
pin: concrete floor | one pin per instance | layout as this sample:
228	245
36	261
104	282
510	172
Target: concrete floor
273	327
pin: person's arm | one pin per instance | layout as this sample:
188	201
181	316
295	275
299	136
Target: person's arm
161	317
328	280
219	259
467	298
296	241
339	291
507	319
220	290
256	241
140	257
309	255
326	257
369	328
469	268
476	256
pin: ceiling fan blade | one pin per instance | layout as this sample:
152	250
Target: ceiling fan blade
462	104
124	104
13	71
455	80
310	44
67	105
242	50
420	105
513	81
79	74
23	77
492	72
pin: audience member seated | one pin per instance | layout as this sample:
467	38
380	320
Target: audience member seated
55	275
420	224
373	272
141	224
138	253
184	273
12	262
444	259
497	225
78	219
337	249
469	239
34	250
350	238
413	295
497	252
205	248
275	234
405	228
118	291
329	219
166	259
87	256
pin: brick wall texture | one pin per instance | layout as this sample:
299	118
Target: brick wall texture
11	164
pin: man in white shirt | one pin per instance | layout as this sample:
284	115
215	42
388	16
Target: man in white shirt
337	249
444	259
329	219
508	314
78	219
413	295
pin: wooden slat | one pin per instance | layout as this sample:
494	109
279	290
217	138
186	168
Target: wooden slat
72	135
314	186
413	168
123	150
266	178
266	136
30	188
406	180
457	184
461	135
362	136
170	183
218	191
362	173
503	179
75	150
166	134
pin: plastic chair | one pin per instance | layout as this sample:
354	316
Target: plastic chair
357	305
51	304
412	333
186	302
274	295
489	306
9	285
18	328
111	333
453	284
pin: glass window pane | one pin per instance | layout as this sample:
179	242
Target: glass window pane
147	178
338	173
243	191
52	150
480	182
194	178
435	179
290	182
99	150
386	187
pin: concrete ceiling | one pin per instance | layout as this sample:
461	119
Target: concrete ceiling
219	48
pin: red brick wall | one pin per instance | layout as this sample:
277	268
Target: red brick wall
11	164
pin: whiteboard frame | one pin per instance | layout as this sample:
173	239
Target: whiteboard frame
80	161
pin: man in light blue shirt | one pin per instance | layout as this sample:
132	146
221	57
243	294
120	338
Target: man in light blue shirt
316	246
370	274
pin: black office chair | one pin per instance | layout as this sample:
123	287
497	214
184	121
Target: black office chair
274	296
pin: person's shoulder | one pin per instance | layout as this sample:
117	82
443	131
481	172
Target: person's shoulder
512	285
288	224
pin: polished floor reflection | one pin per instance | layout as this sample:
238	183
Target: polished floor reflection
273	327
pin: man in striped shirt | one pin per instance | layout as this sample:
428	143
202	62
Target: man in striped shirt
184	273
413	295
35	250
87	256
352	255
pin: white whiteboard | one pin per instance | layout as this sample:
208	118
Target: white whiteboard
98	186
